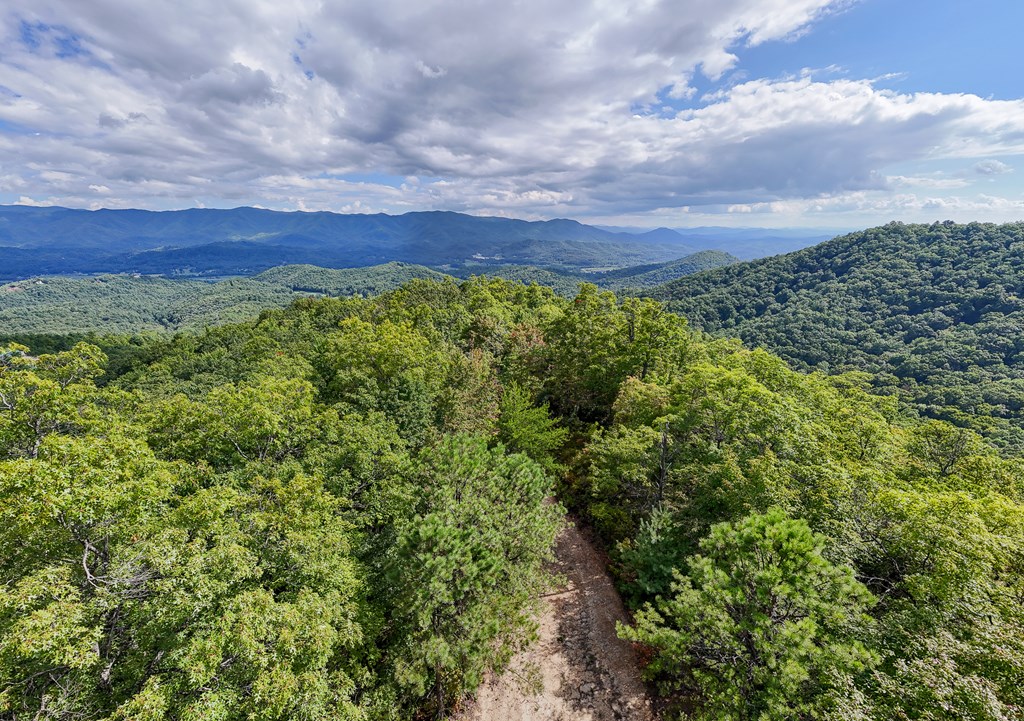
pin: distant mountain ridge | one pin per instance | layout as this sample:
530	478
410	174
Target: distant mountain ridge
744	243
245	241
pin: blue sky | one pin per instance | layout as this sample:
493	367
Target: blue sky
775	113
934	46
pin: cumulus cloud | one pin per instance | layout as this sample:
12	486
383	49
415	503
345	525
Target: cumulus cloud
992	167
479	106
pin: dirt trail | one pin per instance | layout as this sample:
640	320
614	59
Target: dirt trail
578	670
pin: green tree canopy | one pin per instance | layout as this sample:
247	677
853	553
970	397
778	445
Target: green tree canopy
762	626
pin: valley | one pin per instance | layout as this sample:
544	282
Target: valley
137	303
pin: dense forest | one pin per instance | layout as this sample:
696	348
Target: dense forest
933	312
137	303
342	509
126	304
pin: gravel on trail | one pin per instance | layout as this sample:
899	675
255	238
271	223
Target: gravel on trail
578	669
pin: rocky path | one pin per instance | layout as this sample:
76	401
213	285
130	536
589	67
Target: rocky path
578	670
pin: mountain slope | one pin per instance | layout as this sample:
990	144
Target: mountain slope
936	310
630	280
345	281
647	276
121	303
118	303
565	283
246	240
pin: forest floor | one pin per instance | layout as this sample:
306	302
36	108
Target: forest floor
578	669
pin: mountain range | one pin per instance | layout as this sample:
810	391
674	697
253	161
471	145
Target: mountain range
244	241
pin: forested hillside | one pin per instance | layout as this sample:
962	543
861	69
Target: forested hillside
123	304
629	280
340	510
934	312
372	280
133	304
137	303
646	276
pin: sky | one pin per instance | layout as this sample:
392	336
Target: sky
835	114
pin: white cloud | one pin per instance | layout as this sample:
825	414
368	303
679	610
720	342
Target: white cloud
25	200
860	208
934	181
478	105
992	167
